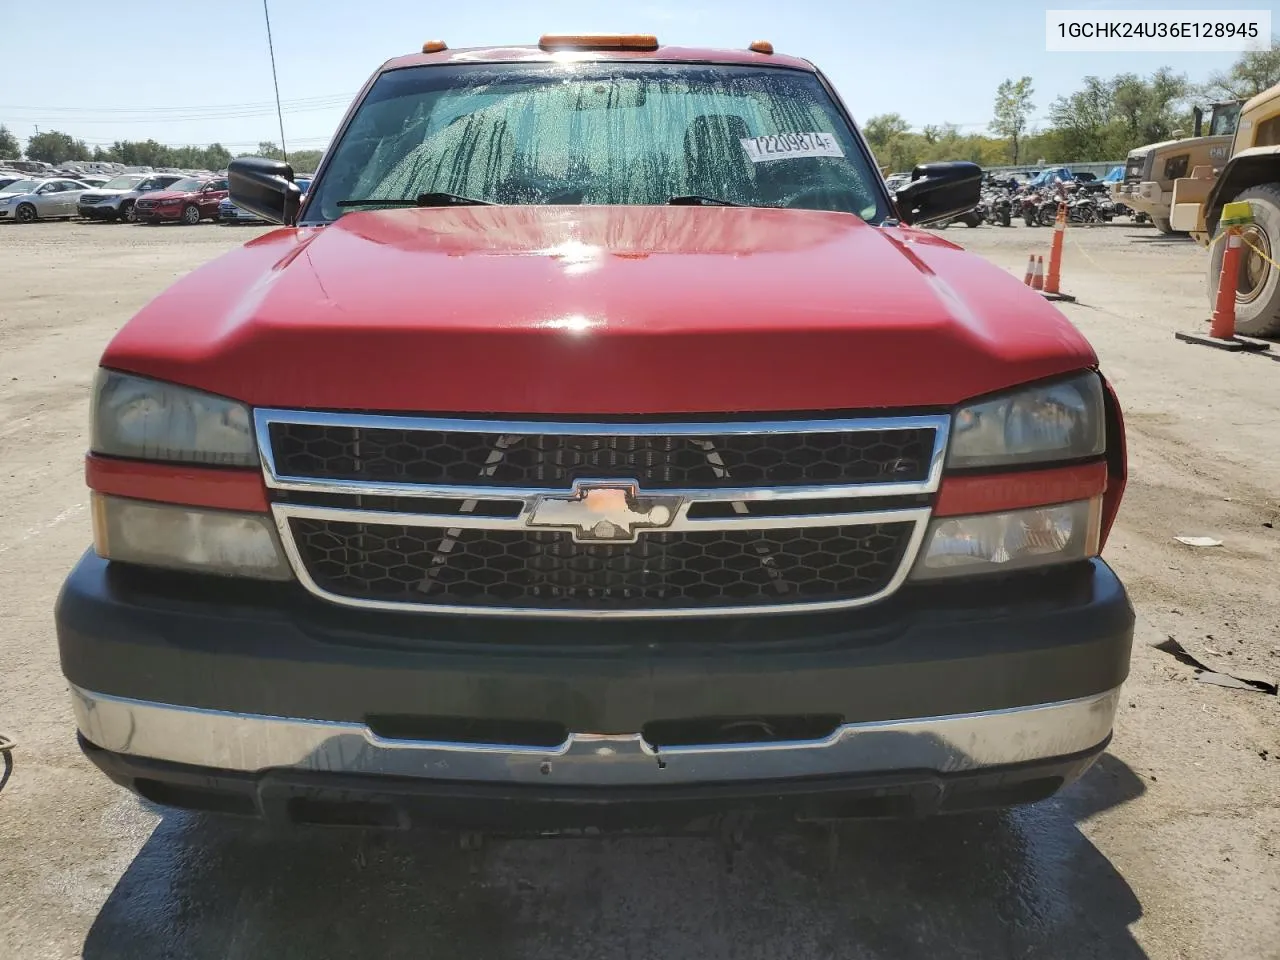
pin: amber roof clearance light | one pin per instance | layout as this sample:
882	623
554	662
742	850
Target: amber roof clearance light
434	46
598	41
761	46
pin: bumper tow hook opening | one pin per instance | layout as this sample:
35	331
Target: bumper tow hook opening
747	731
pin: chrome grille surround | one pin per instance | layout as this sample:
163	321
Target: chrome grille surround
827	505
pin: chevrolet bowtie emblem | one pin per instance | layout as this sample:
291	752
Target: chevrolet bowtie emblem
600	511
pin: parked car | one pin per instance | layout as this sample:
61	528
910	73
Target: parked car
36	169
229	213
116	199
25	201
6	179
896	181
92	180
790	504
187	201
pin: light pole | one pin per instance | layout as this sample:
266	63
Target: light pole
284	151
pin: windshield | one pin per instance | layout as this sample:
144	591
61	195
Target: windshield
154	183
600	133
21	186
1224	119
189	185
121	183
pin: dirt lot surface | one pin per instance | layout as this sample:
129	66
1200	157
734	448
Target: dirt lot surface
1170	847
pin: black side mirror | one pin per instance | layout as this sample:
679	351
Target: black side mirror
266	188
939	191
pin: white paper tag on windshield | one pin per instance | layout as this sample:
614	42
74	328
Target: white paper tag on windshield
785	146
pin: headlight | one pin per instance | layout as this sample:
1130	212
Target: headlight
1056	421
149	420
188	538
1003	542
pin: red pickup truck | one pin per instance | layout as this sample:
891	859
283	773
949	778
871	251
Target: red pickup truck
599	442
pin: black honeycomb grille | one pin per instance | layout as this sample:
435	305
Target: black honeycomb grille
556	460
548	570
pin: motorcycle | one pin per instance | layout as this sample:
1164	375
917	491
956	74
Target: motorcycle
1080	209
1001	210
1027	206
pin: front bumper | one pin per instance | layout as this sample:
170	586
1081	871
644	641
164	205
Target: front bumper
236	215
262	690
1149	198
158	214
98	211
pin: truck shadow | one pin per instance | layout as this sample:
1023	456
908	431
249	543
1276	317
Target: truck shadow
1020	883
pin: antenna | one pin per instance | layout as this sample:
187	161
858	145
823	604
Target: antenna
284	151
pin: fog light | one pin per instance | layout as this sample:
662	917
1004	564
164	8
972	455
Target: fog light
1003	542
188	538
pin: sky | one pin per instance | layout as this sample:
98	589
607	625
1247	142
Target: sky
194	74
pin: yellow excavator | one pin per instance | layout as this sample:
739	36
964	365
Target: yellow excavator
1252	174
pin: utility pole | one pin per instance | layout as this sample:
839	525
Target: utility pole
284	151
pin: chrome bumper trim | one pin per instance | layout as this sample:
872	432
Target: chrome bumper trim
250	743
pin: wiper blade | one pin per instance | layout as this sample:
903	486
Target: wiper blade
422	200
694	200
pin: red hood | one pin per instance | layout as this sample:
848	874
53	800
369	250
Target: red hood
599	310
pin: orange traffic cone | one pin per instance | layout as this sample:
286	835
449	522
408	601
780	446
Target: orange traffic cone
1222	330
1051	291
1037	279
1031	270
1223	323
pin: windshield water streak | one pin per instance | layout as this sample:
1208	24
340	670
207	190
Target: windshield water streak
600	133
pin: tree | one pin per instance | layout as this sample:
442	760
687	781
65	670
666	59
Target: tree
879	130
1081	121
891	141
305	161
1255	71
302	161
10	149
1012	110
57	147
1149	109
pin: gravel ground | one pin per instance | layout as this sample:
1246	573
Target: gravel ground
1168	848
